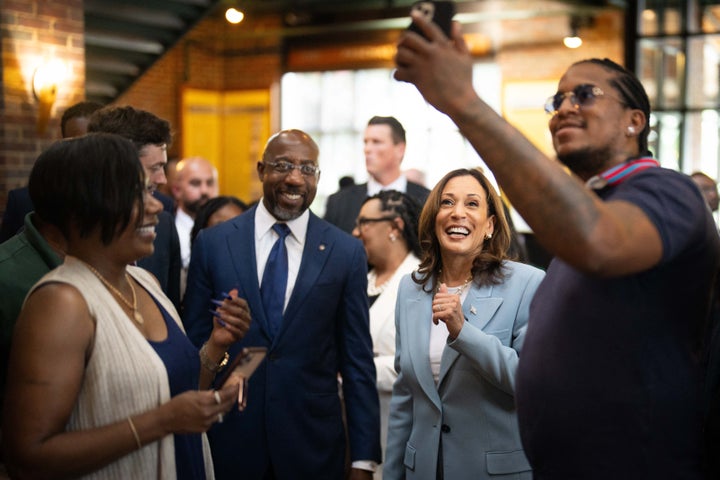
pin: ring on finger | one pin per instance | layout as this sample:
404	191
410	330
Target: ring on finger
217	398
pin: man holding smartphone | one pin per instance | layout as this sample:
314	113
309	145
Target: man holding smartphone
609	381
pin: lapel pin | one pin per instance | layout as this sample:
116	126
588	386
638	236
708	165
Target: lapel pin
472	309
321	247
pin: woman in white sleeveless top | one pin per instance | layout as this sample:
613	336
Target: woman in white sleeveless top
102	381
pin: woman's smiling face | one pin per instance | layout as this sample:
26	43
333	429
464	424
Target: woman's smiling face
462	222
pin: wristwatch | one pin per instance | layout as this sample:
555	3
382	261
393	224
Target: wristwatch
209	364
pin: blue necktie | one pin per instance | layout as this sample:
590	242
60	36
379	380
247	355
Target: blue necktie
274	281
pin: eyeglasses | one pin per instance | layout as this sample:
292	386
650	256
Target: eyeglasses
580	96
362	221
284	168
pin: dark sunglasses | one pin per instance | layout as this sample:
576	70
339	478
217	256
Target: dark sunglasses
581	96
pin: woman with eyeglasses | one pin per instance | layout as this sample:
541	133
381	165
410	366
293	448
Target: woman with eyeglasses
387	224
102	382
461	321
610	382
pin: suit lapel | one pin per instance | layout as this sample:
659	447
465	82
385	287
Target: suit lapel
315	254
241	245
478	307
417	331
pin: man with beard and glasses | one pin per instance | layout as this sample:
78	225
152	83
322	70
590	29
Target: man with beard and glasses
315	326
609	380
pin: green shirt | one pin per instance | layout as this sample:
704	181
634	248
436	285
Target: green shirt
24	259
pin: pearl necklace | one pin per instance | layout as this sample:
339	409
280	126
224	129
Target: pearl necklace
137	316
372	288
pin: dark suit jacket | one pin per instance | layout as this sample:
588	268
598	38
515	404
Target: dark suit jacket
293	420
344	205
18	205
165	262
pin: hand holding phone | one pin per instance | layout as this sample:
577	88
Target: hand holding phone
240	370
439	12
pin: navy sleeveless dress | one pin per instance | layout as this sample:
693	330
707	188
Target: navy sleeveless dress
183	368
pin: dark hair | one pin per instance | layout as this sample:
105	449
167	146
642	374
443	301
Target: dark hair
209	208
487	265
79	110
632	94
86	182
406	208
139	126
346	181
398	132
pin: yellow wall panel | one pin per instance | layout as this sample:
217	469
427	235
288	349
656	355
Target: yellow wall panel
229	129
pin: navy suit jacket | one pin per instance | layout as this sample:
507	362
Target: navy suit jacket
293	420
344	205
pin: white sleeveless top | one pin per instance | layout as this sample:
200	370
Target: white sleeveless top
124	376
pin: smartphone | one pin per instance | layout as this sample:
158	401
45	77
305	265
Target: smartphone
241	369
439	12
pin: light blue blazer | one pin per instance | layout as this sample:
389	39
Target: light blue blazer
472	409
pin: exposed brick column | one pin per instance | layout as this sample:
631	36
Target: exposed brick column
33	32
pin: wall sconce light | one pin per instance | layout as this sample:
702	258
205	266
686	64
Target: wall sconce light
46	79
234	16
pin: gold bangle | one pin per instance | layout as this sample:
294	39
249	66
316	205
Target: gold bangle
134	432
209	364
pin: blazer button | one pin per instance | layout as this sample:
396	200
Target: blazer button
445	428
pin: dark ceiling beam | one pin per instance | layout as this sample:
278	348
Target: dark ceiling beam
95	11
113	27
119	42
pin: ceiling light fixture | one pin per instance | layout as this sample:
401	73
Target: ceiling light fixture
573	40
577	22
234	16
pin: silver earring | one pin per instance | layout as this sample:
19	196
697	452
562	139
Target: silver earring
631	131
488	236
392	237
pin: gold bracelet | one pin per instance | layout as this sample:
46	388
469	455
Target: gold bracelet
135	433
209	364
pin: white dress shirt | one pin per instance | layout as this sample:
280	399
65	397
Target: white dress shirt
184	224
265	238
373	186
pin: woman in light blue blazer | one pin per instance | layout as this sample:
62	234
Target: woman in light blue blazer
460	322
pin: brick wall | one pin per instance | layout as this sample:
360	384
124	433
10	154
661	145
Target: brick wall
34	32
203	59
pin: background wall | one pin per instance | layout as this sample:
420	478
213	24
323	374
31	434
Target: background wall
34	32
248	56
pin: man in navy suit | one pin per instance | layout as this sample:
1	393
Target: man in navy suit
151	135
384	148
293	425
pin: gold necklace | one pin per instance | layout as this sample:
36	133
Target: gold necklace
137	316
460	289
